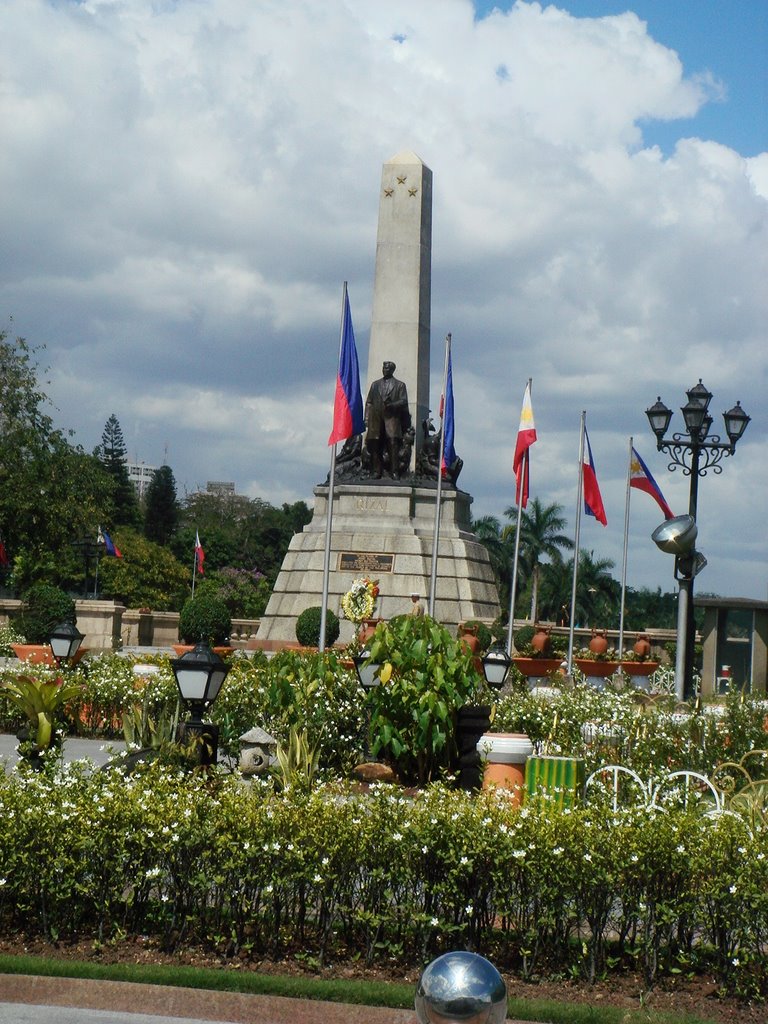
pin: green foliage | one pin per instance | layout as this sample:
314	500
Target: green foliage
245	592
426	676
112	454
297	761
45	606
9	635
308	627
50	490
161	508
143	728
205	618
187	860
40	701
147	575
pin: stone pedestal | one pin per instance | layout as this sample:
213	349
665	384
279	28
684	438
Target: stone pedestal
385	531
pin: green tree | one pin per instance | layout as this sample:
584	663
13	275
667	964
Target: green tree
113	456
51	492
541	537
499	542
161	507
147	575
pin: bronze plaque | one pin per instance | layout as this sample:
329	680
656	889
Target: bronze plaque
365	562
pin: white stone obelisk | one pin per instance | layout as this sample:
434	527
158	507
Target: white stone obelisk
400	321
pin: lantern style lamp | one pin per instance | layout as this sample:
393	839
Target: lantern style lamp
367	670
199	676
496	663
65	641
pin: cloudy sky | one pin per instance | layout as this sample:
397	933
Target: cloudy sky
184	186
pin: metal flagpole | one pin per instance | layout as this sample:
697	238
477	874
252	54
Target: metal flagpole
624	556
438	499
577	539
194	571
516	558
329	516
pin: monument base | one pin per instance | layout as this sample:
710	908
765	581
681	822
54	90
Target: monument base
386	531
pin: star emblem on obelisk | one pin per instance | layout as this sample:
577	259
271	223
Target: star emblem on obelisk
401	181
412	191
388	192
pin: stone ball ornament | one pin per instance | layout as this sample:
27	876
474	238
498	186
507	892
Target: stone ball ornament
461	988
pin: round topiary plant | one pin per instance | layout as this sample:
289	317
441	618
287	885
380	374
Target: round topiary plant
205	619
308	627
45	607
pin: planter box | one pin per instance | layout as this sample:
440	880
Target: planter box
506	754
559	778
536	668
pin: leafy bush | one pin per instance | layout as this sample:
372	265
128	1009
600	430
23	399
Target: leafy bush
426	676
204	618
308	627
9	636
244	591
45	607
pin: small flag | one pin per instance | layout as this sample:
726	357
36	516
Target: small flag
109	547
199	555
446	412
642	478
4	559
348	416
526	436
593	501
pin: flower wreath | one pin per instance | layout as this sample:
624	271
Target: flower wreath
360	600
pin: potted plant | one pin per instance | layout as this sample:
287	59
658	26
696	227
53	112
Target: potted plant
39	701
638	664
204	619
536	657
598	660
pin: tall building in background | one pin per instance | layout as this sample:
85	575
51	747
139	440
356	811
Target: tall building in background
140	476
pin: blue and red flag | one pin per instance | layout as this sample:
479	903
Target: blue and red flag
642	478
109	547
348	417
593	501
449	452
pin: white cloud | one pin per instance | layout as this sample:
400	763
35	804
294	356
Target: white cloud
185	186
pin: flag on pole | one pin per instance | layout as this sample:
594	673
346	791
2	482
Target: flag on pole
109	547
348	417
199	555
593	501
446	412
642	478
526	435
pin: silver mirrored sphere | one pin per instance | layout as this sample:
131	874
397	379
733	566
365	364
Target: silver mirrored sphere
461	988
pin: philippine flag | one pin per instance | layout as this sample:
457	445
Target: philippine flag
449	452
348	417
593	501
526	435
641	478
109	547
199	555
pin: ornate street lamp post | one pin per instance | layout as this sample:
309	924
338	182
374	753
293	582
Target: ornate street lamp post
696	452
65	641
199	675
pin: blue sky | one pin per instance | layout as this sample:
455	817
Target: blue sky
185	186
725	38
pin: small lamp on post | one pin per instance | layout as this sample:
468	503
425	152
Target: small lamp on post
199	676
65	641
496	665
368	675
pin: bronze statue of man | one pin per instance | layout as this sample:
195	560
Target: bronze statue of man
386	420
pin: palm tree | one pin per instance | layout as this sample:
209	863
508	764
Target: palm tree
500	545
540	537
598	594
